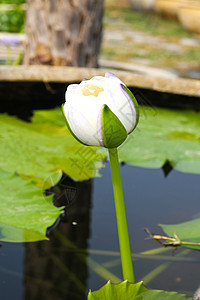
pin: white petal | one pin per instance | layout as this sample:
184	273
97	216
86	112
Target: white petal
84	110
97	79
89	106
114	77
130	112
82	128
71	89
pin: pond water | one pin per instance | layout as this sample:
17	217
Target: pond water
57	269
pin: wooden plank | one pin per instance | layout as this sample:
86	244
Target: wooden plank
188	87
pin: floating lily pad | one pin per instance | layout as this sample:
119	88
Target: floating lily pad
25	210
129	291
164	136
43	149
188	233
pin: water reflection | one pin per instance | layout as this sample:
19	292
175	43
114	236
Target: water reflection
54	269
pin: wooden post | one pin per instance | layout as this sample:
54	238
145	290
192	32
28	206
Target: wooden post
63	32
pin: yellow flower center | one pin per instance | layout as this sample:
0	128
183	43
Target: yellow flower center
91	89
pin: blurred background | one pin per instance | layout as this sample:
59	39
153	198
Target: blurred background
138	35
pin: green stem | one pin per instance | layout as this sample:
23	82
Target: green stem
125	250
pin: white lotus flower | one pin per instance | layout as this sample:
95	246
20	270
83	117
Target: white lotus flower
101	111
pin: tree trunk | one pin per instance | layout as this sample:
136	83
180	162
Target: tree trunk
63	32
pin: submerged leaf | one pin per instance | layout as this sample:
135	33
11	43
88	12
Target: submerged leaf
129	291
25	211
43	149
162	136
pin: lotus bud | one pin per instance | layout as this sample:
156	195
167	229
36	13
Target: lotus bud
101	111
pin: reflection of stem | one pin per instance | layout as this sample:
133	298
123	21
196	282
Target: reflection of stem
97	268
155	251
141	255
153	274
112	263
126	259
42	282
102	271
67	271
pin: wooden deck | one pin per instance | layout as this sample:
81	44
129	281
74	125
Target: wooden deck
187	87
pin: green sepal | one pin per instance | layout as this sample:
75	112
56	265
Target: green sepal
113	131
134	102
69	128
